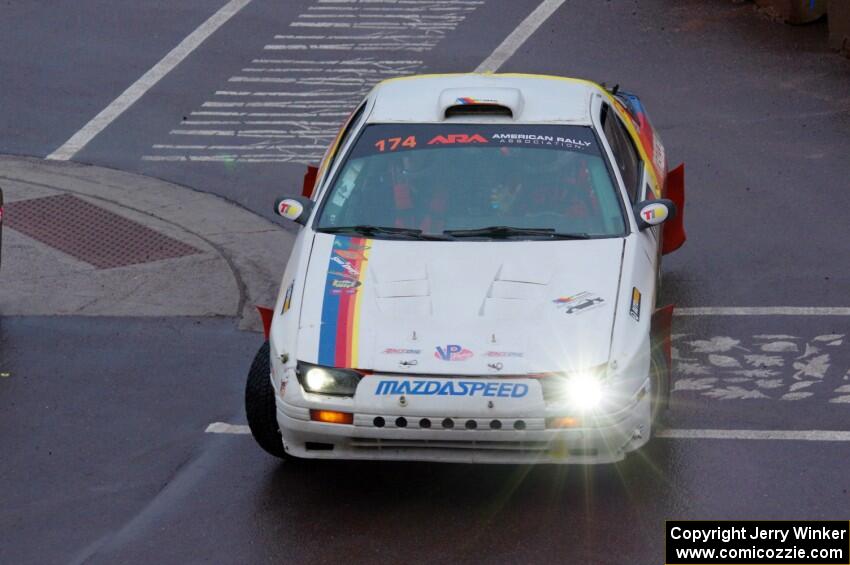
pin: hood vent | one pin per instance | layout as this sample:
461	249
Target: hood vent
476	110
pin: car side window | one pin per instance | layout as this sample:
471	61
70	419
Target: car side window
625	153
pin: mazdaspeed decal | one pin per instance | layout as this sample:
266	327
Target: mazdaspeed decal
578	303
634	309
338	337
452	352
428	387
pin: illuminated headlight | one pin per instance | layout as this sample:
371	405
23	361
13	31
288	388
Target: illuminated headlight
584	390
581	390
327	380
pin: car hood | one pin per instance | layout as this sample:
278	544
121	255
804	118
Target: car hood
466	308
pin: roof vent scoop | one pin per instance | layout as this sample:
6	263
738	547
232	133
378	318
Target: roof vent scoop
475	102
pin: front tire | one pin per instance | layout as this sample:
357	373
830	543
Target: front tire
659	386
260	405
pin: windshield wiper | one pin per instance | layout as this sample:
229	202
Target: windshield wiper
384	230
510	231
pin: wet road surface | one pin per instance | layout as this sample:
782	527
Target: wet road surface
105	459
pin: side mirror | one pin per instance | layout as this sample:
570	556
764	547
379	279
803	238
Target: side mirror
654	212
295	208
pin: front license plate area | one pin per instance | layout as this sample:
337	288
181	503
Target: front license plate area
459	396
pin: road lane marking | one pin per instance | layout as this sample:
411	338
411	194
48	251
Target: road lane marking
762	311
758	435
519	36
225	428
316	69
147	81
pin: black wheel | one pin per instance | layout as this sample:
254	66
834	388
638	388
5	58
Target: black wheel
660	385
260	406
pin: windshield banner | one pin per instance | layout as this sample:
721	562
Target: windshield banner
396	138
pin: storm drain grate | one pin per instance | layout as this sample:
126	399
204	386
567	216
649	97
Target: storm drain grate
91	233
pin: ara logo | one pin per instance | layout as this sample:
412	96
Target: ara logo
452	352
453	138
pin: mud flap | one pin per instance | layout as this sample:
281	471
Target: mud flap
674	229
309	181
266	314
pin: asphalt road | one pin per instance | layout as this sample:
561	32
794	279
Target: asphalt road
105	459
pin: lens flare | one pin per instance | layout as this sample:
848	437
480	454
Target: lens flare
585	391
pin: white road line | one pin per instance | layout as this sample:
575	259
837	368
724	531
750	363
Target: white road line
147	81
782	435
758	435
223	428
762	311
519	36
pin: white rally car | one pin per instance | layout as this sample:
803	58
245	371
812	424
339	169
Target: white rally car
475	279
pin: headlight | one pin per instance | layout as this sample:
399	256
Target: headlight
584	390
581	390
327	380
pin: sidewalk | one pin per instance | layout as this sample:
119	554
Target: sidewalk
91	241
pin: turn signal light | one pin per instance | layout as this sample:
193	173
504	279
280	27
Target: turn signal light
565	422
332	417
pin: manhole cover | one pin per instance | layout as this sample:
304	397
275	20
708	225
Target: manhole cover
91	233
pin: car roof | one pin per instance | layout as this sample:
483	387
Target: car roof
531	98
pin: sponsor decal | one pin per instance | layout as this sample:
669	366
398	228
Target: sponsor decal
453	138
345	283
504	354
470	100
428	387
290	209
634	309
452	352
344	275
578	303
383	139
654	213
659	159
346	265
495	366
401	351
338	337
533	139
287	299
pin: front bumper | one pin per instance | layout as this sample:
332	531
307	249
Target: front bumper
519	438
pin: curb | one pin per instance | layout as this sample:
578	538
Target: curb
238	259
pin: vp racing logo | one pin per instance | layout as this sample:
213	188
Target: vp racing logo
452	352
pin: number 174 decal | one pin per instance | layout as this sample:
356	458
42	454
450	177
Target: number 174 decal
393	143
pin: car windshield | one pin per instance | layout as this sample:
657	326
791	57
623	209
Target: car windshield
477	181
